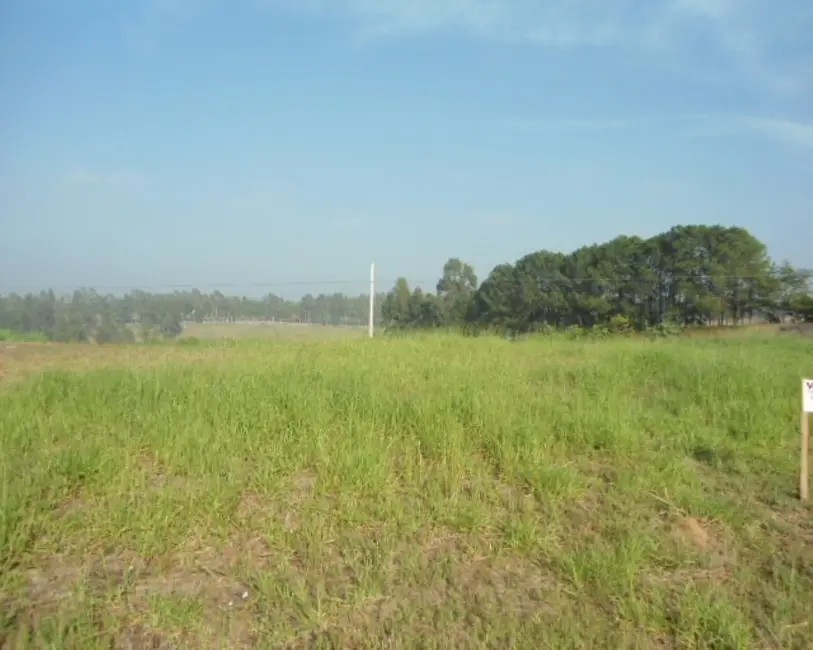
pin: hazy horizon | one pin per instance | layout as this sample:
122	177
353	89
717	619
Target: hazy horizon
279	146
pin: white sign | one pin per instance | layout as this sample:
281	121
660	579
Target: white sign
807	395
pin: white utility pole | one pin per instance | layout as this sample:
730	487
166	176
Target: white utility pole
371	322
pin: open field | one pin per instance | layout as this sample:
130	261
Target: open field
416	492
263	330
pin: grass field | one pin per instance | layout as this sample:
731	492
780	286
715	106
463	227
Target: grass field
264	330
418	492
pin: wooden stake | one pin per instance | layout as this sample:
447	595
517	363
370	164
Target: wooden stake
803	476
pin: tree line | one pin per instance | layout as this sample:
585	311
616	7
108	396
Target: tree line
690	275
87	315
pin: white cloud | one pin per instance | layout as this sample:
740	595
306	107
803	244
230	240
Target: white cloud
579	125
783	131
600	124
570	125
795	134
768	40
791	134
552	22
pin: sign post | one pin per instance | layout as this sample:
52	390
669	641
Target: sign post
807	409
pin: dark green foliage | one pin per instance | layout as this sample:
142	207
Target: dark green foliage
688	276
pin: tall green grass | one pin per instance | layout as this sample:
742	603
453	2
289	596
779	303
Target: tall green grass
437	490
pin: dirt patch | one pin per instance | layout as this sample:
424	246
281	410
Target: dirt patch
61	577
508	497
420	612
54	581
298	488
452	598
690	531
284	509
790	531
252	506
140	637
157	476
118	596
73	505
437	573
301	486
712	544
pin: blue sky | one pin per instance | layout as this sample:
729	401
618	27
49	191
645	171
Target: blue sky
273	145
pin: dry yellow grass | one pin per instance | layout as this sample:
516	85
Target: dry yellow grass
283	331
20	359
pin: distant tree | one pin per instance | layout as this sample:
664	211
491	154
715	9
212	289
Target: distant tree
171	326
455	289
497	301
425	310
396	307
688	275
109	330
